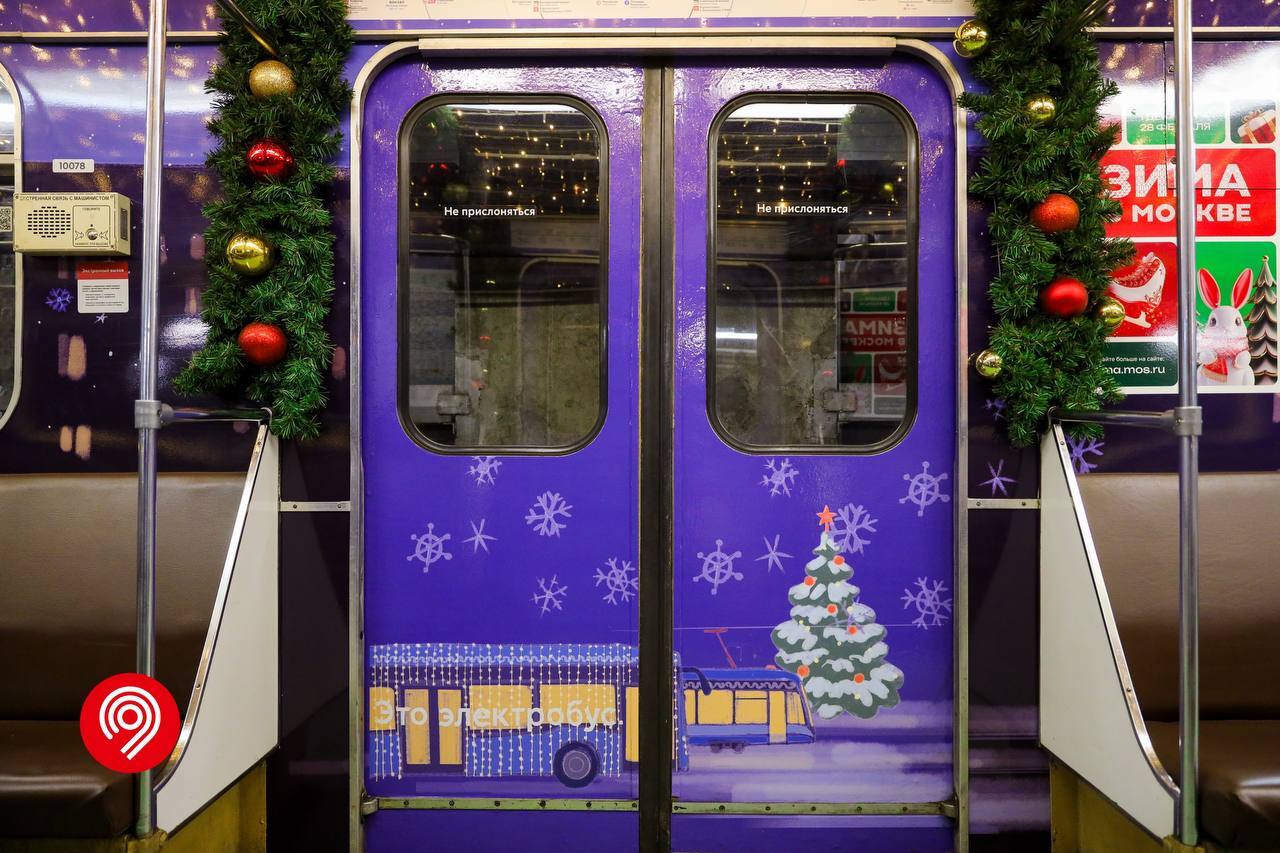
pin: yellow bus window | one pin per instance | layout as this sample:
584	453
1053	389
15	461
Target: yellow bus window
498	706
690	700
579	704
716	708
795	709
751	706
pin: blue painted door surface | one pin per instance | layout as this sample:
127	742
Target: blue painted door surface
747	517
501	563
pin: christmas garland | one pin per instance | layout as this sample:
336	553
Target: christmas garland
269	247
1049	210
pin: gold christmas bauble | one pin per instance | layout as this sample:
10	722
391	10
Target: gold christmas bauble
971	39
988	363
271	77
1041	109
1110	312
250	254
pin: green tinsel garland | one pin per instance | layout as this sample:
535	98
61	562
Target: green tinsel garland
313	39
1043	48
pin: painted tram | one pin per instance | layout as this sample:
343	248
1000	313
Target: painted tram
617	458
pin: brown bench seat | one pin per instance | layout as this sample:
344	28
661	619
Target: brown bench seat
68	621
1133	519
1239	778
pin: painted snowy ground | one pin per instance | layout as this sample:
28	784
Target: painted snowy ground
903	755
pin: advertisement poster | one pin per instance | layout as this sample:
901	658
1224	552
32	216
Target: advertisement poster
1236	238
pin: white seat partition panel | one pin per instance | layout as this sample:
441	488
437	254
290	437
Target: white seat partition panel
232	719
1089	717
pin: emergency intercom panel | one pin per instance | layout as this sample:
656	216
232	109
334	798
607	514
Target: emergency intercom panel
71	223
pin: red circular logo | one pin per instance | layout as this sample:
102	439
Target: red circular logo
129	723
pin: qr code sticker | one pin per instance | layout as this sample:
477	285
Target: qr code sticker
6	218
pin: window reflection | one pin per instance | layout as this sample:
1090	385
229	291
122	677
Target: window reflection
503	294
813	281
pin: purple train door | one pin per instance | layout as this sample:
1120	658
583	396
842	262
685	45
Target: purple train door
499	210
815	439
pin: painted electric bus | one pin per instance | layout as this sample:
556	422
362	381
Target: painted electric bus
568	710
735	708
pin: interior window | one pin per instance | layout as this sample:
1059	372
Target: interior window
8	267
502	302
813	286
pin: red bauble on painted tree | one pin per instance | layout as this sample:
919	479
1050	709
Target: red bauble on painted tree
269	160
1057	213
262	343
1064	297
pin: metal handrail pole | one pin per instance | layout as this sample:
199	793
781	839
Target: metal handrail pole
1188	438
146	409
192	415
1115	417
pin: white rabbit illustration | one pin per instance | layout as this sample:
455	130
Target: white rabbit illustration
1223	349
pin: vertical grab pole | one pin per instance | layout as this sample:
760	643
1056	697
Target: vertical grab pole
146	409
1188	427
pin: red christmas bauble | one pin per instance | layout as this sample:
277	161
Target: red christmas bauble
262	343
838	560
269	160
853	629
1058	212
1064	297
810	581
831	608
802	671
858	678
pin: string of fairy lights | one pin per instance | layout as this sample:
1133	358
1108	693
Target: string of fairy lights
550	162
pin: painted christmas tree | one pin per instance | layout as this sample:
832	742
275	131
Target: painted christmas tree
833	642
1261	324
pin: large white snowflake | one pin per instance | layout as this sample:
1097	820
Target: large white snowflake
931	608
485	469
848	527
717	567
619	579
545	514
779	476
479	539
924	489
428	548
773	553
550	595
1082	447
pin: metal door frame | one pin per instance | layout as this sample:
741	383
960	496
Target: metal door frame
657	51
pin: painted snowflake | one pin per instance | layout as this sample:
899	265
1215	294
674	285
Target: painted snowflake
485	469
717	567
998	481
849	526
59	299
995	406
1081	448
932	610
619	579
779	476
550	595
924	489
773	553
478	538
428	548
545	514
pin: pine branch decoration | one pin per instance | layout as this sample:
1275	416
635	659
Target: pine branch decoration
1034	49
313	40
